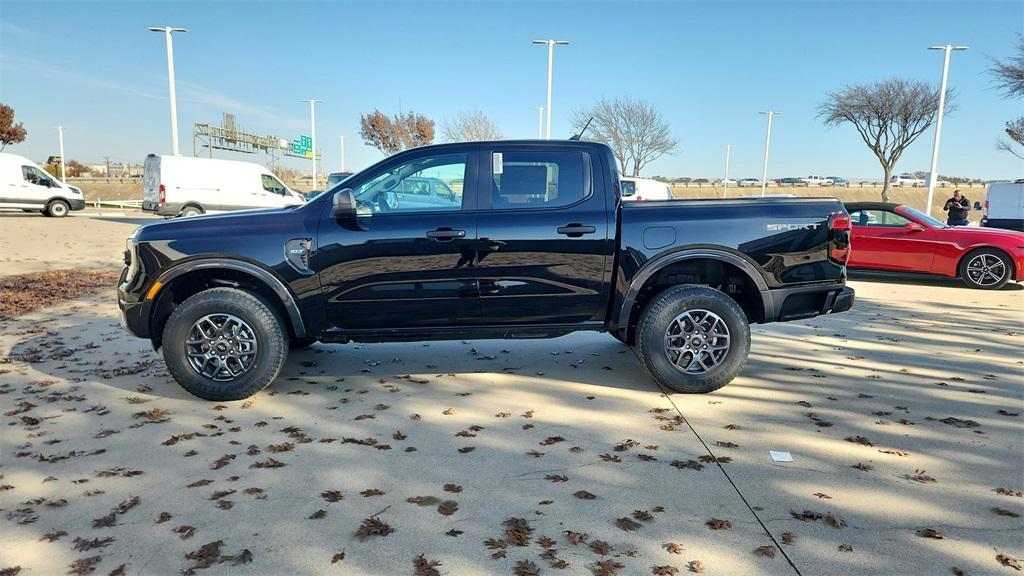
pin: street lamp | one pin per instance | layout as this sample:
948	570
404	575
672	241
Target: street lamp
312	133
551	59
342	153
60	136
767	144
725	183
167	30
540	122
932	176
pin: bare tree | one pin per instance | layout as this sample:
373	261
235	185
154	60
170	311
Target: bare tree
635	130
1009	75
473	126
889	115
394	134
10	133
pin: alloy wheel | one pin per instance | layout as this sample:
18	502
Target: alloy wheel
697	341
221	347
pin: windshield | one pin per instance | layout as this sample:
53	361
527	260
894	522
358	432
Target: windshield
923	218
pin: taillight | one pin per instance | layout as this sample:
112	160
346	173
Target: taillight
839	230
640	198
985	213
163	194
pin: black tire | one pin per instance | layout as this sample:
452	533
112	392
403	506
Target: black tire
57	209
978	267
267	329
190	211
660	316
301	343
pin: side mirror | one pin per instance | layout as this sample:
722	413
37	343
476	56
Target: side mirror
977	205
343	204
913	227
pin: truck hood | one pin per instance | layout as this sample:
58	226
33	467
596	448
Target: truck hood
212	223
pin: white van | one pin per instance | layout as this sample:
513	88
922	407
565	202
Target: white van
640	189
1004	206
185	186
906	180
23	184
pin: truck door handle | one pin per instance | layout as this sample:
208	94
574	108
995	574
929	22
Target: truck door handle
444	233
576	230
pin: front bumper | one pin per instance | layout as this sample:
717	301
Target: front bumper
785	304
76	203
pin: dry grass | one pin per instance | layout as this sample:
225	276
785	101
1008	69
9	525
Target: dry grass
25	293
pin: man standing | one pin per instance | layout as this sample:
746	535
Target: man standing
958	206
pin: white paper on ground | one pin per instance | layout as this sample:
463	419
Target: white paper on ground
781	456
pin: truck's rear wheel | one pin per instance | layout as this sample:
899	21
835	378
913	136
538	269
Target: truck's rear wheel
224	344
190	211
693	339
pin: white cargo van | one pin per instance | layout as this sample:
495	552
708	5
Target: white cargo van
1004	206
23	184
185	186
640	189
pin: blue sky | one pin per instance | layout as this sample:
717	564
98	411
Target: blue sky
708	66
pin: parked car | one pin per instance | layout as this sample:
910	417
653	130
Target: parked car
906	180
682	180
726	182
795	182
24	185
640	189
749	182
539	247
838	181
700	181
816	181
335	178
1004	206
186	186
898	238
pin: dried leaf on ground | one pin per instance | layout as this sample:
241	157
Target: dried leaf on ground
185	532
607	567
1008	561
788	538
448	507
664	570
576	537
517	531
767	551
526	568
674	548
373	527
423	500
338	557
601	547
627	524
332	495
695	566
718	524
930	533
834	521
424	567
556	478
84	566
805	516
584	495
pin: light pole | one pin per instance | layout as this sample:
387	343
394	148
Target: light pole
60	136
932	175
167	30
312	133
540	122
342	153
551	59
725	183
767	144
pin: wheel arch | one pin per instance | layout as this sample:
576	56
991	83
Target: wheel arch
192	204
640	287
188	278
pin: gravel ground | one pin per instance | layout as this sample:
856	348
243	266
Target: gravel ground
903	418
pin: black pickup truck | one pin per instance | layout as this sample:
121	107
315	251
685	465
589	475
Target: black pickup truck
533	242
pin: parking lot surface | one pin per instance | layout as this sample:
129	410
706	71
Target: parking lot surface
902	417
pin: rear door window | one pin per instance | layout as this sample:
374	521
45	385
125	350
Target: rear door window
538	179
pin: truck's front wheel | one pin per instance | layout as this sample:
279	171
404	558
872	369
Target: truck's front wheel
224	344
693	339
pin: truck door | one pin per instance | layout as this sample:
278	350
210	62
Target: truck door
34	187
404	264
546	241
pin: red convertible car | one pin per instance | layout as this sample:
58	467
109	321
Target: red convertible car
898	238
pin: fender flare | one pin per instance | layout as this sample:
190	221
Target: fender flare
261	274
653	266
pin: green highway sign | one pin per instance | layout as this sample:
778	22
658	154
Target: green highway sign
303	146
